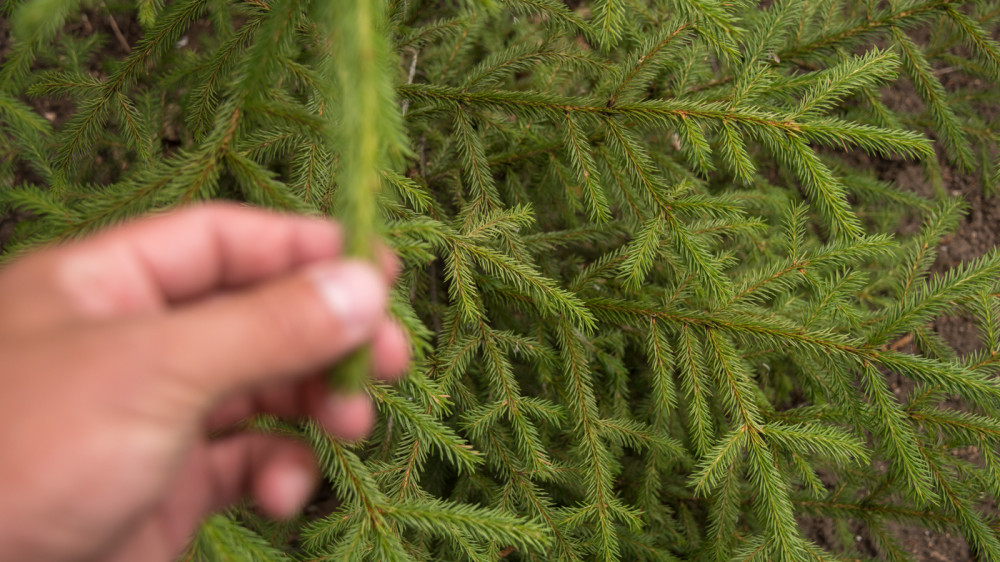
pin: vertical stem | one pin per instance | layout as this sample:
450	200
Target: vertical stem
363	119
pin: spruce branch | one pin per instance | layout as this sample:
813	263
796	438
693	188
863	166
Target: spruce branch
930	89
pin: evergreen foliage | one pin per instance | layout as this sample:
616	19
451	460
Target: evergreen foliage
655	307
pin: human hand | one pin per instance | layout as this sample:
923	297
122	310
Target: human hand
121	353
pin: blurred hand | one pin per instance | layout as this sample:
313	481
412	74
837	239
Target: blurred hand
121	353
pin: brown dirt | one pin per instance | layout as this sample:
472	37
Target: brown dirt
977	234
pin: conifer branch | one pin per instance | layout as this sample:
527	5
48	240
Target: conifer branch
930	89
886	19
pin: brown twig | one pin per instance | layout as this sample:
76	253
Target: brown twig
409	79
117	30
901	342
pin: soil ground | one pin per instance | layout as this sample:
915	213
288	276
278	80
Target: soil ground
978	233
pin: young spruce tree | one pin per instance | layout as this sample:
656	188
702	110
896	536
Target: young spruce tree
655	304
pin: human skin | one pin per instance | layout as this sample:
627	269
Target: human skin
121	354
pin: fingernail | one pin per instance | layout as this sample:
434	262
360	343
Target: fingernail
295	485
355	293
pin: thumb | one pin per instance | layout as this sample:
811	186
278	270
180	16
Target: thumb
284	329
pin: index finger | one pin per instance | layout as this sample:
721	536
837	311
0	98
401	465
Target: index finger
192	252
149	264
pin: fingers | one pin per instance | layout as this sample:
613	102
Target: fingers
189	253
149	264
390	357
205	350
349	417
194	251
279	473
277	332
390	351
143	266
283	473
